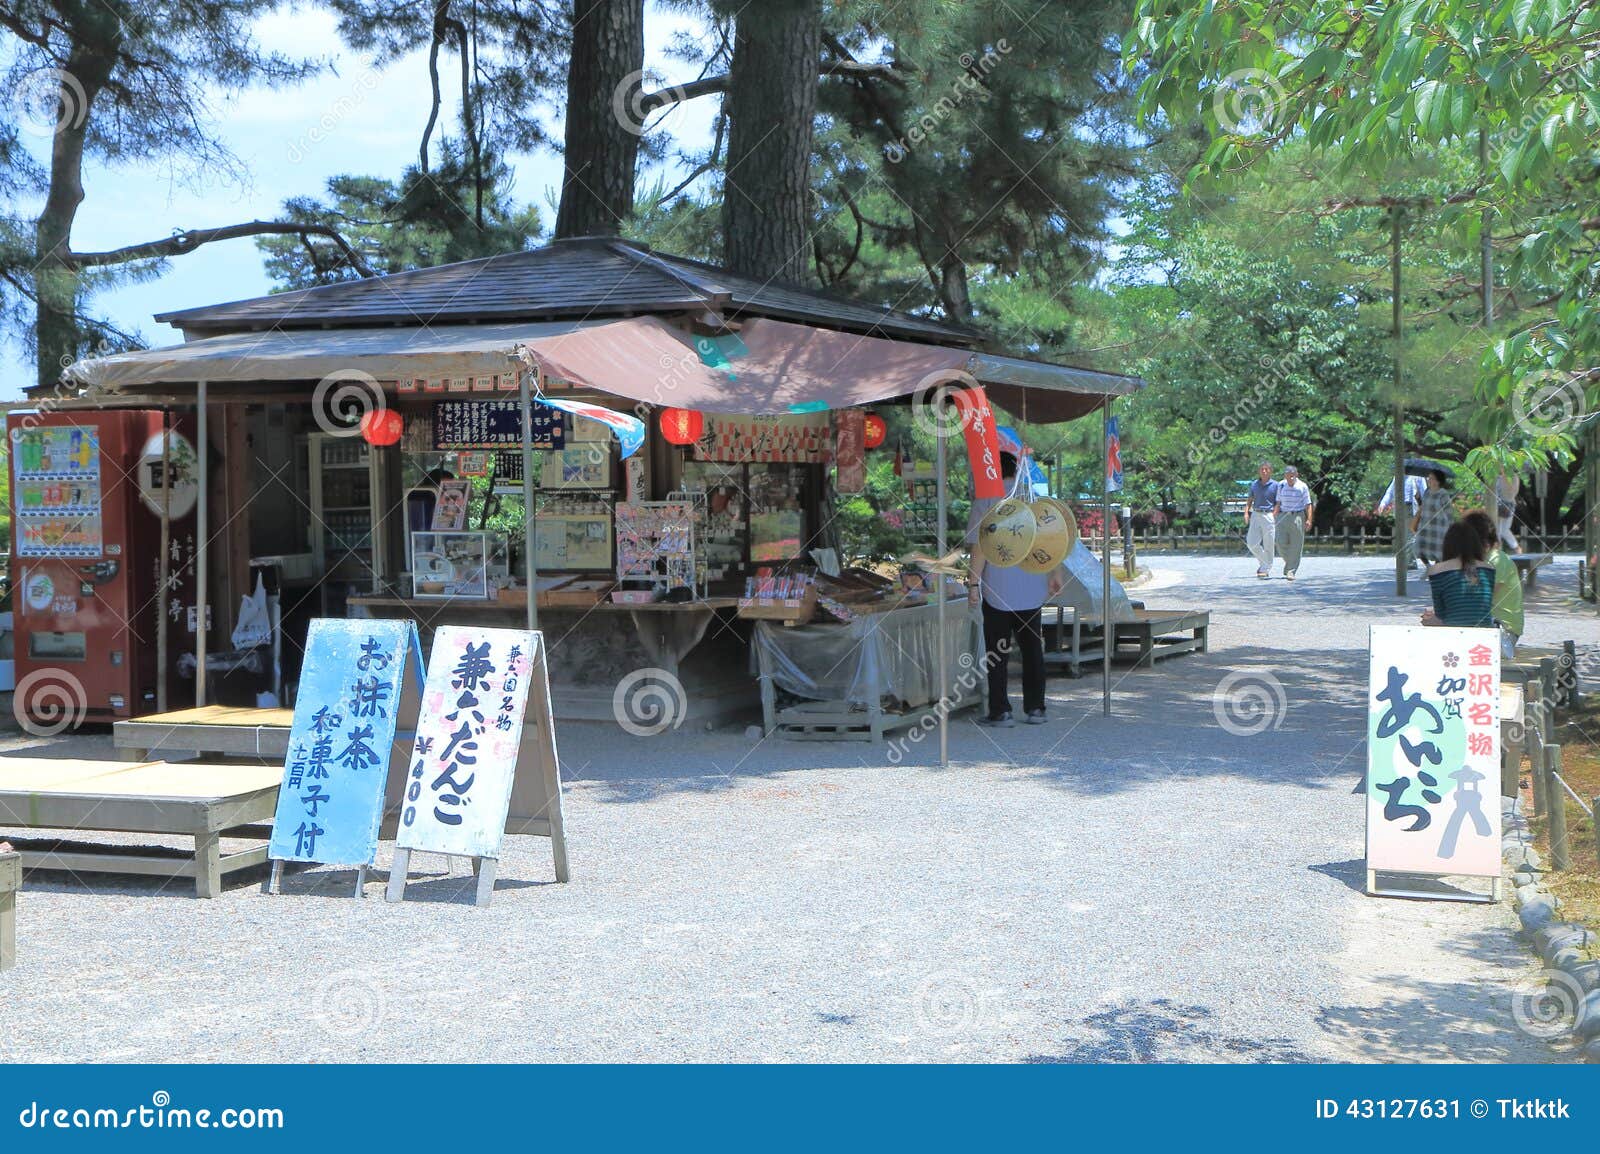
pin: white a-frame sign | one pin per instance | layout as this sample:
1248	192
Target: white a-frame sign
484	762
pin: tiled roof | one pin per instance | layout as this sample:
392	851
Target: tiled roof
590	277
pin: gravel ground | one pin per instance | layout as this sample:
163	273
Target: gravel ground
1150	887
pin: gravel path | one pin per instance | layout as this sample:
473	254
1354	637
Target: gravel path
1145	888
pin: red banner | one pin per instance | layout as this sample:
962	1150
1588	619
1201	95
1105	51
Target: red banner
849	444
983	443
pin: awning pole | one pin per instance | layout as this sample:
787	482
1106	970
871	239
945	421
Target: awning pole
1108	629
164	567
203	514
939	589
529	529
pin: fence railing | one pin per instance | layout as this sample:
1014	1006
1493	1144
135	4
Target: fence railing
1352	540
1555	687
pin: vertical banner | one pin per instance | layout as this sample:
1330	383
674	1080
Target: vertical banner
469	737
849	450
357	680
983	443
1113	456
1433	751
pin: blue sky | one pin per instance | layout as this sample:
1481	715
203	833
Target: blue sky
374	120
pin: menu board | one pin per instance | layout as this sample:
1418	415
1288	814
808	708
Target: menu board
494	425
56	492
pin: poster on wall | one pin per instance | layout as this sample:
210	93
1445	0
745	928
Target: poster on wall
450	513
1433	754
359	680
785	438
850	446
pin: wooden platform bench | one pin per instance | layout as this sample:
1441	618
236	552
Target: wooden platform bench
1151	636
198	800
10	883
840	721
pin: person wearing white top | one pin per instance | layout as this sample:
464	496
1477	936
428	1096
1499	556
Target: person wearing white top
1292	519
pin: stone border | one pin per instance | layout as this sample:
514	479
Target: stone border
1558	944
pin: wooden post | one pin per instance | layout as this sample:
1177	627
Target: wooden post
1401	529
1106	627
530	528
1510	761
941	535
397	875
10	880
164	566
1535	737
202	538
1569	671
1560	852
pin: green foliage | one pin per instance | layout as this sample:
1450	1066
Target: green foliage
425	219
1369	87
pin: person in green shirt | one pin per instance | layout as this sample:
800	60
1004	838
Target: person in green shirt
1507	605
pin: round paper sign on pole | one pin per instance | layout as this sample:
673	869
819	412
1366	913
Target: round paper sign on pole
1006	532
1058	532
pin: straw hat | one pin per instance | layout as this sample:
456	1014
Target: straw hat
1057	533
1006	532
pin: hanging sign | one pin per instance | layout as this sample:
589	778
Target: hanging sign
788	438
1433	753
494	425
983	444
849	450
359	680
1113	456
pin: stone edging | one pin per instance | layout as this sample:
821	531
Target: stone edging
1559	944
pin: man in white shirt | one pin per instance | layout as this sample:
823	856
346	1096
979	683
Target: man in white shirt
1292	519
1413	496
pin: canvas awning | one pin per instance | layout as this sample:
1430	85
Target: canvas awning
767	366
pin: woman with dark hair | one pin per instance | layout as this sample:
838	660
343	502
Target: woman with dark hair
1507	582
1462	582
1435	511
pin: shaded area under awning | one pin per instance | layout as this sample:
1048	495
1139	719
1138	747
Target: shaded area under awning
768	366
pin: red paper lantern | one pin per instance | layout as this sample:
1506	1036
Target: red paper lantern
382	427
682	426
876	430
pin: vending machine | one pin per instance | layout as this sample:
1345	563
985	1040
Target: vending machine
87	495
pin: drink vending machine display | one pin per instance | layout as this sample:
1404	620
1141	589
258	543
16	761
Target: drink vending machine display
87	493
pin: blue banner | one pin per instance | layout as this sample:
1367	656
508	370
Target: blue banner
351	686
1113	456
773	1108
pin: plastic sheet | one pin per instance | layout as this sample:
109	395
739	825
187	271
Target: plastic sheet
892	657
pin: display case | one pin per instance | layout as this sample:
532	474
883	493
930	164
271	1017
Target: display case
346	525
457	565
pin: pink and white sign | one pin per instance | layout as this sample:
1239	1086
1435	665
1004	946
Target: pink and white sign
469	737
1433	751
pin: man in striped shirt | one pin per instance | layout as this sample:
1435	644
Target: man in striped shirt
1292	519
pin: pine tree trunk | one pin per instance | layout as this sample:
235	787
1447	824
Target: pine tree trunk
55	277
603	122
771	104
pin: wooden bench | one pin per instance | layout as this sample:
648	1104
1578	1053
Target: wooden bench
202	801
1151	636
228	730
10	883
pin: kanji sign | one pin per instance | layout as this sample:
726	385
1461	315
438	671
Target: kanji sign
469	736
353	689
1433	751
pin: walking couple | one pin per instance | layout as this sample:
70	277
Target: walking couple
1277	517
